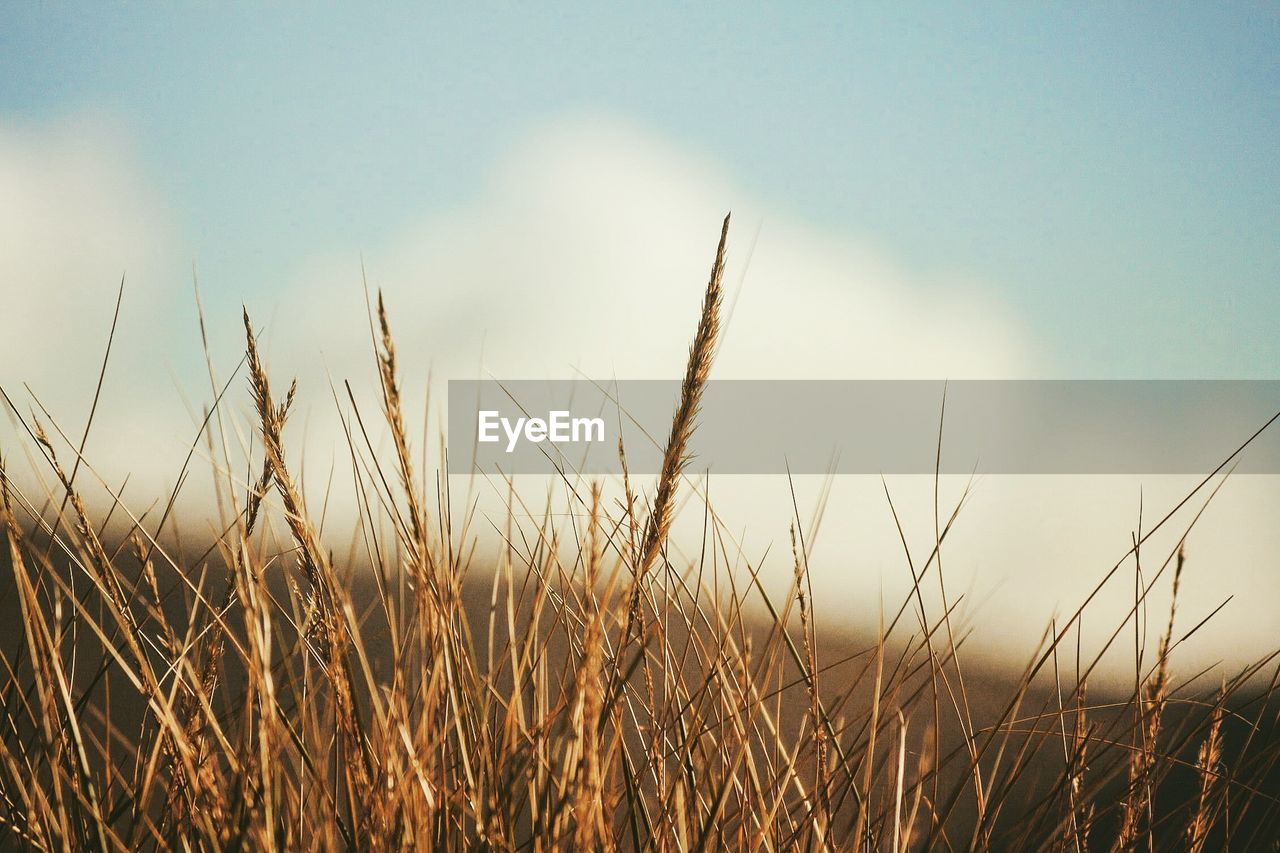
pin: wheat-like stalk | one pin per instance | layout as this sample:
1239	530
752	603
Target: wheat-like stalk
1211	785
577	688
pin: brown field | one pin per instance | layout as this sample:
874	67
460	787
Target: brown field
588	691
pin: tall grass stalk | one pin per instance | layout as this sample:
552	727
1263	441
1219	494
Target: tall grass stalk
587	688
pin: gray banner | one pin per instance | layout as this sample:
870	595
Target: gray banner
868	427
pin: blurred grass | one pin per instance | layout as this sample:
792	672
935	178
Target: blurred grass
588	691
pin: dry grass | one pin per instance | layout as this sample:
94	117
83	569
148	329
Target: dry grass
596	694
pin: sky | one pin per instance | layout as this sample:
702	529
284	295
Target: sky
933	190
1108	173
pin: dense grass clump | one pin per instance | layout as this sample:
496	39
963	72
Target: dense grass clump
589	690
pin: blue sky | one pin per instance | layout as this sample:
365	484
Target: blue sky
1111	174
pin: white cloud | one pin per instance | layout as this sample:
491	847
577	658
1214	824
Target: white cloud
78	213
587	247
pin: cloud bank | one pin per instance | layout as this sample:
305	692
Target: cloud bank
588	248
584	251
